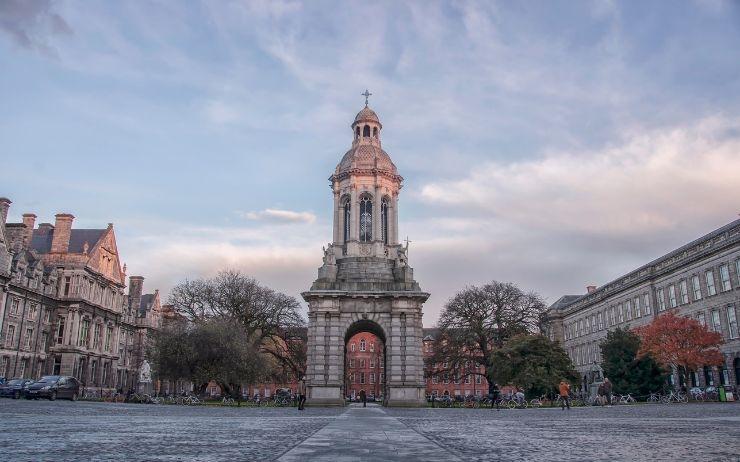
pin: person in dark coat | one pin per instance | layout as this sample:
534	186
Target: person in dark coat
494	394
301	393
363	397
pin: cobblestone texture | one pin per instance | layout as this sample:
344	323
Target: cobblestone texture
618	433
66	431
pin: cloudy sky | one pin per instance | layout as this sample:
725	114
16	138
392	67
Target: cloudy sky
551	144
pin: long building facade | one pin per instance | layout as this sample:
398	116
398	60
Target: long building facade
63	304
700	280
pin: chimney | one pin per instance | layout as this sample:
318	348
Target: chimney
135	287
590	289
4	207
62	232
29	219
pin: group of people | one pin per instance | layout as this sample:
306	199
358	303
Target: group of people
604	393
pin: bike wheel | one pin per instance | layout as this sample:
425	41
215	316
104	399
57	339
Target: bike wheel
511	404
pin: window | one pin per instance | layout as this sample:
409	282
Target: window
724	276
67	285
362	363
60	331
93	372
467	379
628	310
366	219
352	347
701	317
366	131
588	325
372	363
621	313
661	300
108	335
5	363
684	292
732	321
638	308
351	363
593	323
646	303
696	287
435	379
24	365
84	327
711	290
478	379
384	220
600	321
614	316
33	311
27	343
372	346
96	335
15	307
362	377
44	336
672	295
362	344
716	324
372	377
47	315
10	336
347	218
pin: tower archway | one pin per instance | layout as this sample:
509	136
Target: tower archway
365	361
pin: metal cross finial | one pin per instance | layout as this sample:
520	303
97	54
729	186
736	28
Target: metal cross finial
367	94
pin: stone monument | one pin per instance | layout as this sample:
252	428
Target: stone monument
365	283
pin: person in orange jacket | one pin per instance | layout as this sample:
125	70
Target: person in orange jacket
564	394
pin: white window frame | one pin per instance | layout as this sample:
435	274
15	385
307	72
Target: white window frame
732	322
724	277
684	291
696	285
702	318
672	296
661	299
716	323
711	287
638	308
620	311
628	310
646	303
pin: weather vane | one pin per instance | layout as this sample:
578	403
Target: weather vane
367	94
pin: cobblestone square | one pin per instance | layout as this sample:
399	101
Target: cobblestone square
66	431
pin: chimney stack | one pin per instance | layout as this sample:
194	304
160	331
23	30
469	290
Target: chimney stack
29	219
62	232
135	288
4	207
590	289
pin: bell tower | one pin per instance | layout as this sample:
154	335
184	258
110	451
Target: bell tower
365	282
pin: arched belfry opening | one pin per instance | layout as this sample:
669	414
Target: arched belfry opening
365	286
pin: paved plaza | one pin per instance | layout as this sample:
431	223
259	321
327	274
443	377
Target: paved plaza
66	431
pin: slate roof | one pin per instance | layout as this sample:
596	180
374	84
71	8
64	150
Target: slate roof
42	237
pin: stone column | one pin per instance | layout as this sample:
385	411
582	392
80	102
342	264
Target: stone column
338	216
393	225
354	228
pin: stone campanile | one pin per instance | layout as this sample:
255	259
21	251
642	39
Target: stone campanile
365	283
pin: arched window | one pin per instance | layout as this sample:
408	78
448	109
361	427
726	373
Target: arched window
347	219
366	131
384	220
366	219
375	132
362	345
352	348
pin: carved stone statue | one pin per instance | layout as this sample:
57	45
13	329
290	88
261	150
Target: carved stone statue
145	374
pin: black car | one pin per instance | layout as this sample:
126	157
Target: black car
14	388
53	387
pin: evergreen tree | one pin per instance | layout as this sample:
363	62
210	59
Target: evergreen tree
533	363
628	372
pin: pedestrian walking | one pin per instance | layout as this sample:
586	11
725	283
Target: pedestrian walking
600	398
494	394
608	391
363	397
564	389
302	393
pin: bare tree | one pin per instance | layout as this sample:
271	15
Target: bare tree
270	320
478	321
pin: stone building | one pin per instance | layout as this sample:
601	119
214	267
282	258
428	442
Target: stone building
365	283
700	279
63	308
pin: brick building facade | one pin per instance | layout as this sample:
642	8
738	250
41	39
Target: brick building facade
63	306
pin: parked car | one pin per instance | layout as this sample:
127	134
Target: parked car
15	388
53	387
